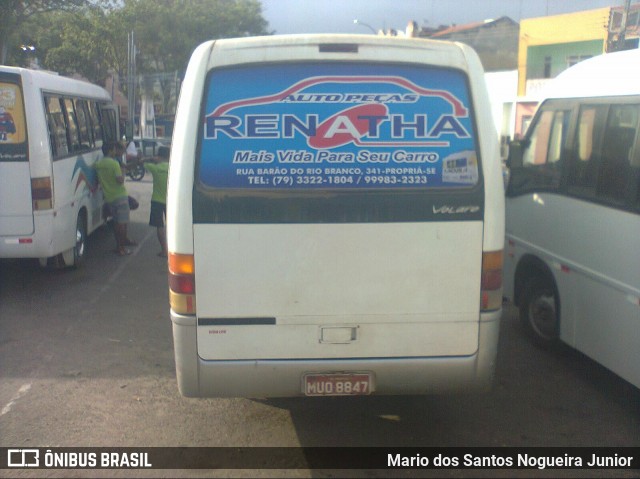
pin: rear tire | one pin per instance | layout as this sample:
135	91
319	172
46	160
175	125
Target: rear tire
136	173
54	262
74	257
539	312
81	240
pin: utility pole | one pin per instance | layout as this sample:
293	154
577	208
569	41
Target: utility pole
623	27
131	83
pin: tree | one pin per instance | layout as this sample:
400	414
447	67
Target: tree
91	42
16	12
168	31
90	37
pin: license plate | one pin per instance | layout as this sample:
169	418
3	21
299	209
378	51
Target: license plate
358	384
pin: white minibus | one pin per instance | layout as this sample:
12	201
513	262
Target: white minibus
51	131
335	219
572	263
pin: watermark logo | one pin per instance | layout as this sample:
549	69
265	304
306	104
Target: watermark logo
23	458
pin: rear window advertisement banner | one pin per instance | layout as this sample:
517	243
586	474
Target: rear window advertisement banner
311	126
11	114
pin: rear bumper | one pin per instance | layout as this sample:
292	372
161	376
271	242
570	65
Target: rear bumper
282	378
44	244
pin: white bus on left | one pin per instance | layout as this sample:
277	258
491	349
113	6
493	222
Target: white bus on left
51	132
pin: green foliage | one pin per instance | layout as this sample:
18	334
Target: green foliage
168	31
17	13
83	42
91	39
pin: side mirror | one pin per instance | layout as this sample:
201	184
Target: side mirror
516	152
505	176
516	176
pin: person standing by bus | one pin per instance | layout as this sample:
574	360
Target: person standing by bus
120	156
111	180
159	169
132	153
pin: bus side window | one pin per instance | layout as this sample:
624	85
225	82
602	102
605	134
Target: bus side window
543	156
108	125
94	114
84	126
51	128
57	127
587	150
615	176
536	153
72	124
634	189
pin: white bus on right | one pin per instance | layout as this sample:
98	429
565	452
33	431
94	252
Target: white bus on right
572	249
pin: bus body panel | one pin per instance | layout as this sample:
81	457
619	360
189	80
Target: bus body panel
15	196
378	290
48	230
15	203
197	377
599	286
581	235
317	285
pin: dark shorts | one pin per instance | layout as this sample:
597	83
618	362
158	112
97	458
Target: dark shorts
158	212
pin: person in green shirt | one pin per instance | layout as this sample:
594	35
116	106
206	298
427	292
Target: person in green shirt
111	180
159	169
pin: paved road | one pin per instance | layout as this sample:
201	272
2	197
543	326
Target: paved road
86	359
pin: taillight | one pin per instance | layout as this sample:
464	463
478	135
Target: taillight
491	282
41	193
182	283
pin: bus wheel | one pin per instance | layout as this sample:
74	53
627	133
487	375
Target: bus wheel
81	238
539	312
136	173
56	262
74	257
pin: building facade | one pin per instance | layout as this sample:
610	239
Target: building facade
549	45
495	41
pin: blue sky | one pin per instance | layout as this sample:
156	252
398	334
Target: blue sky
336	16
